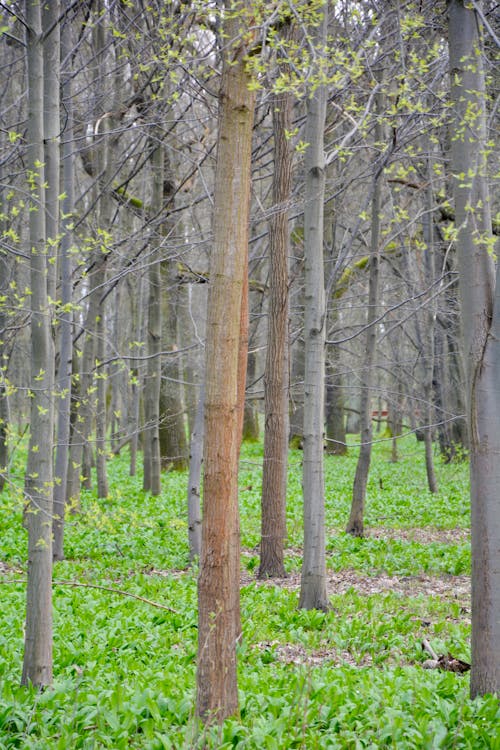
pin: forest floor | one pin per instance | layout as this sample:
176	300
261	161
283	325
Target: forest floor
125	622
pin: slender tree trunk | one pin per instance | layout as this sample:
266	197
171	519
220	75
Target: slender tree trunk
63	382
136	308
355	525
52	127
4	356
430	317
37	664
251	417
218	586
296	405
100	422
276	376
118	407
480	306
194	482
335	413
91	405
313	580
173	441
4	430
151	435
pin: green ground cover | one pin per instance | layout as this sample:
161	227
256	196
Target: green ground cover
350	678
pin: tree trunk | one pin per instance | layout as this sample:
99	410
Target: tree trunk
276	385
136	296
63	382
355	525
4	430
480	304
100	420
152	382
37	664
335	415
313	580
430	317
250	417
194	482
52	128
218	585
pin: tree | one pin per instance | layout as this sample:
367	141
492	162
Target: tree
218	585
356	522
37	664
480	305
276	386
63	376
313	580
151	438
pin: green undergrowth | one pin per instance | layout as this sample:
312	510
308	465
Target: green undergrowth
124	669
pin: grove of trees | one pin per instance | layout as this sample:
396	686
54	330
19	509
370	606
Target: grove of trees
225	218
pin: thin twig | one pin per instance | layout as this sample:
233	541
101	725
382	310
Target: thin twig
102	588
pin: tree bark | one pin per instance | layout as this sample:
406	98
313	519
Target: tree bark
151	435
218	586
430	317
4	356
37	663
313	593
52	127
4	430
100	428
355	525
250	416
480	305
137	318
276	376
63	381
194	482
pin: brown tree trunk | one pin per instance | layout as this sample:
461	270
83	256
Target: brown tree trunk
276	385
218	586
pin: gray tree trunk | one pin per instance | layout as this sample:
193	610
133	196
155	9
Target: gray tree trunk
37	663
152	381
100	422
355	525
4	429
52	127
4	357
430	318
480	304
173	441
63	381
313	593
136	295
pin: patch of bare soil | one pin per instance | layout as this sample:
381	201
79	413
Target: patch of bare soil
422	535
292	653
4	568
452	587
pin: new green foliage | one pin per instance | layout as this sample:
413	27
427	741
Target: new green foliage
351	677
